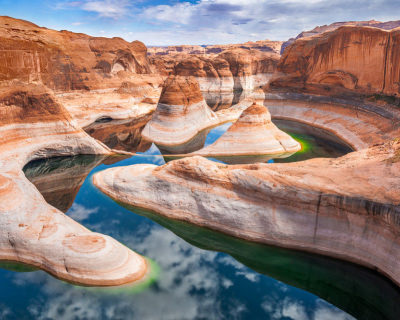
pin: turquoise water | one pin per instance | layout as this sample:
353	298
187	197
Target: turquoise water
202	274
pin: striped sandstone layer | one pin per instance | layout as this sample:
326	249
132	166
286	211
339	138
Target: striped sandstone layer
92	77
180	115
253	135
345	208
33	125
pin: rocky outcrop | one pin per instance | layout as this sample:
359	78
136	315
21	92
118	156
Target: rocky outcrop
125	135
252	138
180	115
388	25
230	71
92	76
325	206
262	45
354	60
34	125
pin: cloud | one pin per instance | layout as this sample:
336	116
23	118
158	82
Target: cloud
108	8
80	213
113	9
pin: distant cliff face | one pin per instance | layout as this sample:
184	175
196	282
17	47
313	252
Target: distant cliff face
359	59
233	69
388	25
262	45
63	60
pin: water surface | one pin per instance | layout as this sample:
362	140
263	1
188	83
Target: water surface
202	274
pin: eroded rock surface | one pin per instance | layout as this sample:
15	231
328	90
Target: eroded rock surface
350	59
252	138
91	76
326	206
180	115
34	125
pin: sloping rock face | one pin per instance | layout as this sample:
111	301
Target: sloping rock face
326	206
262	45
232	70
253	135
92	76
64	60
361	60
388	25
33	125
180	115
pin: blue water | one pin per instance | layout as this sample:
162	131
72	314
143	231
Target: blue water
203	274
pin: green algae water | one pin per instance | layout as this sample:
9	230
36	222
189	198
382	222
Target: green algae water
195	273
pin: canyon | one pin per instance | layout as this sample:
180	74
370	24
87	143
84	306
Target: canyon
61	93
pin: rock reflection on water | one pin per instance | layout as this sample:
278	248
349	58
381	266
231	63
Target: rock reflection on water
59	179
121	134
203	274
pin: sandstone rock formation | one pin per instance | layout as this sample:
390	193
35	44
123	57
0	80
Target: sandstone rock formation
388	25
230	71
181	114
262	45
125	135
325	206
354	60
252	138
33	125
92	76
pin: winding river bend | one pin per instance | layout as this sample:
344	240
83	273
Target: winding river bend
197	273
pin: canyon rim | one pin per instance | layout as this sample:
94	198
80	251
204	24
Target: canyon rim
245	180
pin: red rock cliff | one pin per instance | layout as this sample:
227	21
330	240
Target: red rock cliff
361	59
64	60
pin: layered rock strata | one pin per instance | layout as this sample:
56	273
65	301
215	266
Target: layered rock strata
33	125
252	138
262	45
181	114
91	76
229	71
346	208
353	60
388	25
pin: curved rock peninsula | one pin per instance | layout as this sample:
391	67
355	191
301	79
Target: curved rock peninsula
325	206
345	208
33	125
181	114
252	138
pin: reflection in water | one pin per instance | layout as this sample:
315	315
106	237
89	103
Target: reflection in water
121	134
359	291
316	143
223	100
59	179
203	274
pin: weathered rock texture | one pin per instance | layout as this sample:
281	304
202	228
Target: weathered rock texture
123	135
262	45
180	115
346	208
388	25
232	70
92	76
360	60
33	125
252	138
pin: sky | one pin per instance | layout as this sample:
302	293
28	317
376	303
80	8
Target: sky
175	22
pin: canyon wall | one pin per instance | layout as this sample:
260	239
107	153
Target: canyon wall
388	25
361	60
261	45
